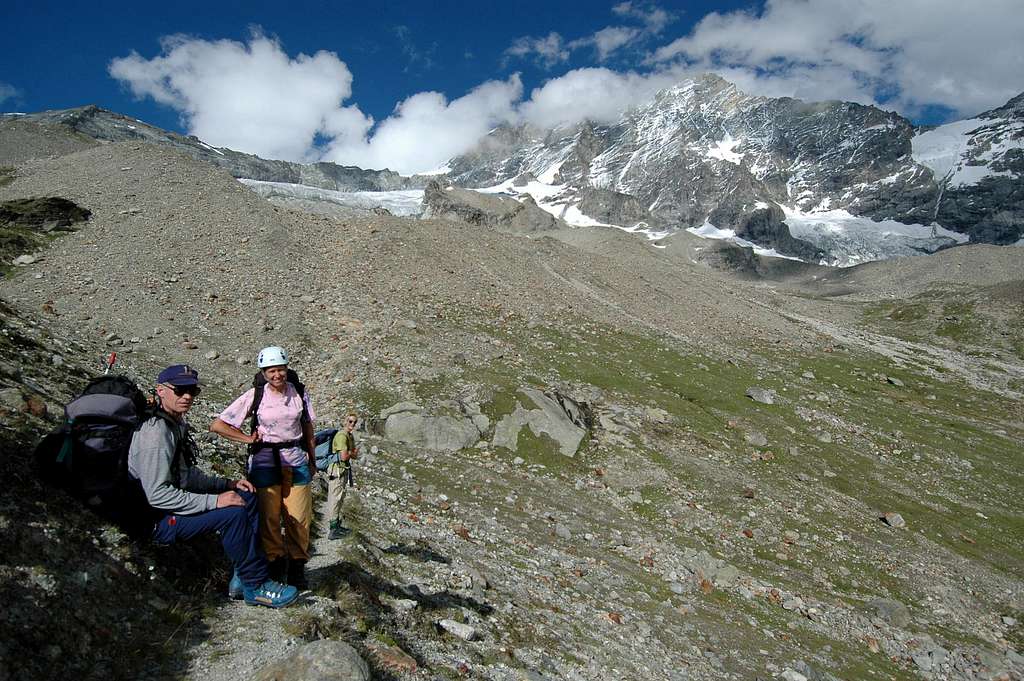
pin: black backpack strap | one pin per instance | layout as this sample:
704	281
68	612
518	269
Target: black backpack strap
257	397
300	388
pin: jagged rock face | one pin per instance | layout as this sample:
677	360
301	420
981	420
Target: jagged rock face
703	148
98	123
983	191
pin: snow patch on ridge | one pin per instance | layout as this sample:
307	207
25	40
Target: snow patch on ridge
940	149
709	231
946	150
442	170
723	150
557	199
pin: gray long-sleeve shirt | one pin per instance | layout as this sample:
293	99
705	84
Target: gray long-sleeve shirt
149	460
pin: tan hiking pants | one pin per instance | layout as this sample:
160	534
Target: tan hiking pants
295	504
337	488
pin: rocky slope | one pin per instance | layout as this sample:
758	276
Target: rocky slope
108	126
796	473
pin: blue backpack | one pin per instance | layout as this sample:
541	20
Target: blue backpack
324	456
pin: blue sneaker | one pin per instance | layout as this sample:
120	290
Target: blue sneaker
270	594
236	588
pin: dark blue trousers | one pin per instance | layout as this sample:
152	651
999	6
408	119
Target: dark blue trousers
238	527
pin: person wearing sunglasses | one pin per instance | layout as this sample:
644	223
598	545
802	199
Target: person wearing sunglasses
339	475
189	502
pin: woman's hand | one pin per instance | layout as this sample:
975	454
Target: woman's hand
229	432
242	484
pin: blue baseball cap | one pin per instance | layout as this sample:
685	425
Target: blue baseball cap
178	374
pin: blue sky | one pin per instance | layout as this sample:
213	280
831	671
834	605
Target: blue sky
56	53
408	84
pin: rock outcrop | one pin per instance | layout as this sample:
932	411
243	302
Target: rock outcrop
559	417
487	210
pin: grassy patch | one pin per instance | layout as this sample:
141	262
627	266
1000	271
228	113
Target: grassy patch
372	400
958	322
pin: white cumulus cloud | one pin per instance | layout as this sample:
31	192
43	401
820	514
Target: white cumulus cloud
597	94
426	129
251	97
908	54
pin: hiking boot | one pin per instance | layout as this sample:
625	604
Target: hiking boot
338	531
297	574
270	594
276	569
236	588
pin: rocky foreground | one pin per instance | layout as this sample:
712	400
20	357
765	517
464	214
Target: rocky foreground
584	457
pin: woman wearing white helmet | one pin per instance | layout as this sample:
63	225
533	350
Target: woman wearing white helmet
281	461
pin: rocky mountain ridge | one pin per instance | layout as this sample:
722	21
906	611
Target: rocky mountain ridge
704	152
108	126
832	182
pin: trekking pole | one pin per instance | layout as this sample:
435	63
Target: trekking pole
348	473
110	363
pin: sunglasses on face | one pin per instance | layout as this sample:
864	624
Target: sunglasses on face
180	390
351	421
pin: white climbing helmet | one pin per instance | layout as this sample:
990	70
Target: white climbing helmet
272	356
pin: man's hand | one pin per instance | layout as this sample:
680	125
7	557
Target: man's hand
229	498
243	485
346	455
255	437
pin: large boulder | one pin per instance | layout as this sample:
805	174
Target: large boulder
407	422
559	417
324	660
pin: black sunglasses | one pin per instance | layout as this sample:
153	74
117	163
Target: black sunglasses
180	390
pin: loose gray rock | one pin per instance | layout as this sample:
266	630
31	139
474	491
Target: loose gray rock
893	612
463	631
324	660
762	395
24	260
11	399
756	438
894	520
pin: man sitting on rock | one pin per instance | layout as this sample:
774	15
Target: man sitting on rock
189	502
